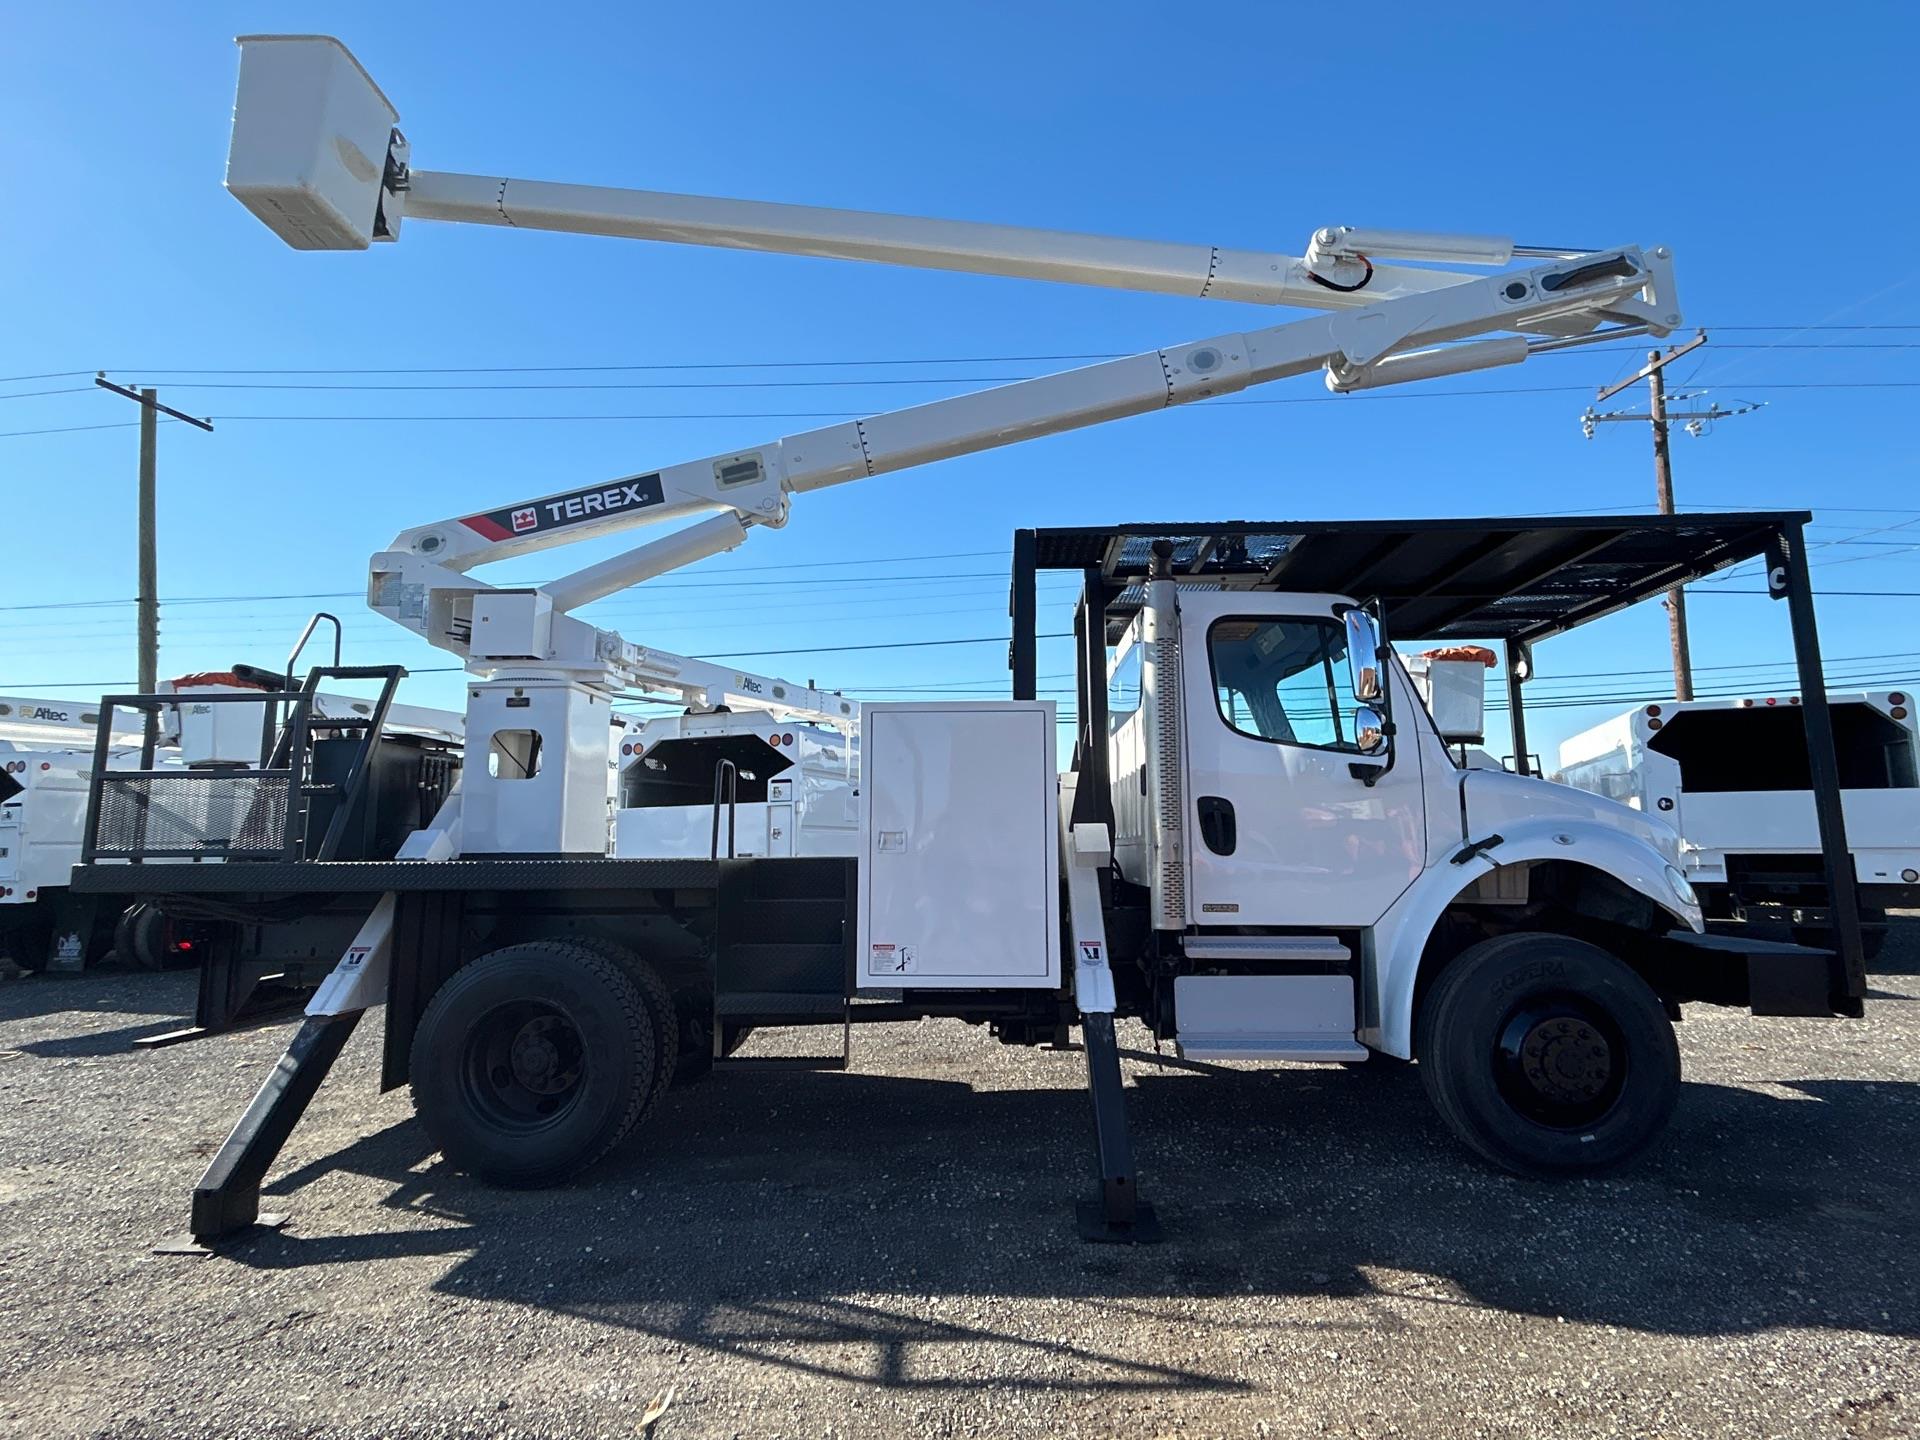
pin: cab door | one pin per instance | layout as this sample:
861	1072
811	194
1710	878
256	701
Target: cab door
1280	829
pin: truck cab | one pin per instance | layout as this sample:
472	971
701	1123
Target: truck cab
1285	799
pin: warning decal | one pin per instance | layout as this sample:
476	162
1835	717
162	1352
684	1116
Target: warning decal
557	511
890	960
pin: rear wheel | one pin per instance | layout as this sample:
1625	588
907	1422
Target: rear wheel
534	1061
140	937
28	944
660	1015
1547	1056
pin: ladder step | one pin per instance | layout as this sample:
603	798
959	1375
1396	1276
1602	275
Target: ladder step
785	968
762	1004
1267	947
782	1062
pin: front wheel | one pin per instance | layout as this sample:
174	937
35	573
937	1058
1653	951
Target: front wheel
1547	1056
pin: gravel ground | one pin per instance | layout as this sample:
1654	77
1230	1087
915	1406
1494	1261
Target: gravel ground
890	1252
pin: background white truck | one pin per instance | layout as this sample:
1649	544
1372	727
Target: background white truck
46	762
1731	776
728	783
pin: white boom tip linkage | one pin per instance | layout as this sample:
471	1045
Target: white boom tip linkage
314	153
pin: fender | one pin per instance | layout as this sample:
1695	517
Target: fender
1401	936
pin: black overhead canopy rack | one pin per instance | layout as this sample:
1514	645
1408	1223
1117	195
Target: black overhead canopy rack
1520	579
1517	580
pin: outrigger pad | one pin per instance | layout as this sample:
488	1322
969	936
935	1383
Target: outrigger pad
1096	1229
187	1244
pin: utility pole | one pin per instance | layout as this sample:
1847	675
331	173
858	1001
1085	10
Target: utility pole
1676	601
149	592
1653	373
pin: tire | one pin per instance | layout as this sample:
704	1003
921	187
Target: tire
533	1062
1547	1056
140	937
660	1015
28	944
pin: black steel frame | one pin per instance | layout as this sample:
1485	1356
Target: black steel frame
281	759
1682	548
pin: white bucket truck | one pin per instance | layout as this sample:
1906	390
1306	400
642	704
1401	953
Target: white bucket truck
1262	850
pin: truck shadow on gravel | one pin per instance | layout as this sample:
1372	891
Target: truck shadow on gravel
799	1219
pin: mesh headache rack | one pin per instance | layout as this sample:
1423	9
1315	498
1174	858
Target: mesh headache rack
276	808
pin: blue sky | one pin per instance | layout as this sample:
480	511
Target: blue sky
1769	153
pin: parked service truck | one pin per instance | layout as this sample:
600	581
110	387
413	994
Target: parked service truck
1261	849
737	784
1731	776
46	760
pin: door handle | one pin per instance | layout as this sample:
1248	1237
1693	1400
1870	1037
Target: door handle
1218	828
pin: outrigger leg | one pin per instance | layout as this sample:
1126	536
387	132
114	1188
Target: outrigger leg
1116	1214
226	1202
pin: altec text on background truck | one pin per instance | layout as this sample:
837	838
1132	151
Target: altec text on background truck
1262	848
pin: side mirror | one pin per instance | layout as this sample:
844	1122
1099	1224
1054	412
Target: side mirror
1370	731
1363	655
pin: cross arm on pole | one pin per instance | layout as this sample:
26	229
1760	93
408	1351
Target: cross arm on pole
101	380
1652	365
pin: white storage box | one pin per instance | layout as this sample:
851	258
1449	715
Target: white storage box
310	135
1455	694
959	876
221	732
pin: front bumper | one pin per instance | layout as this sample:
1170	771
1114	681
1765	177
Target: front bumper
1766	976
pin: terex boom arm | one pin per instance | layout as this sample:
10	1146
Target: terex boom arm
315	155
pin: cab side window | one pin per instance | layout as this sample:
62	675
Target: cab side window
1284	680
1123	688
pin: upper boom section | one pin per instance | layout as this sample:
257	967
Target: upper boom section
316	156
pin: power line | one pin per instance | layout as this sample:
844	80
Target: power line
653	585
1364	398
755	384
24	685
